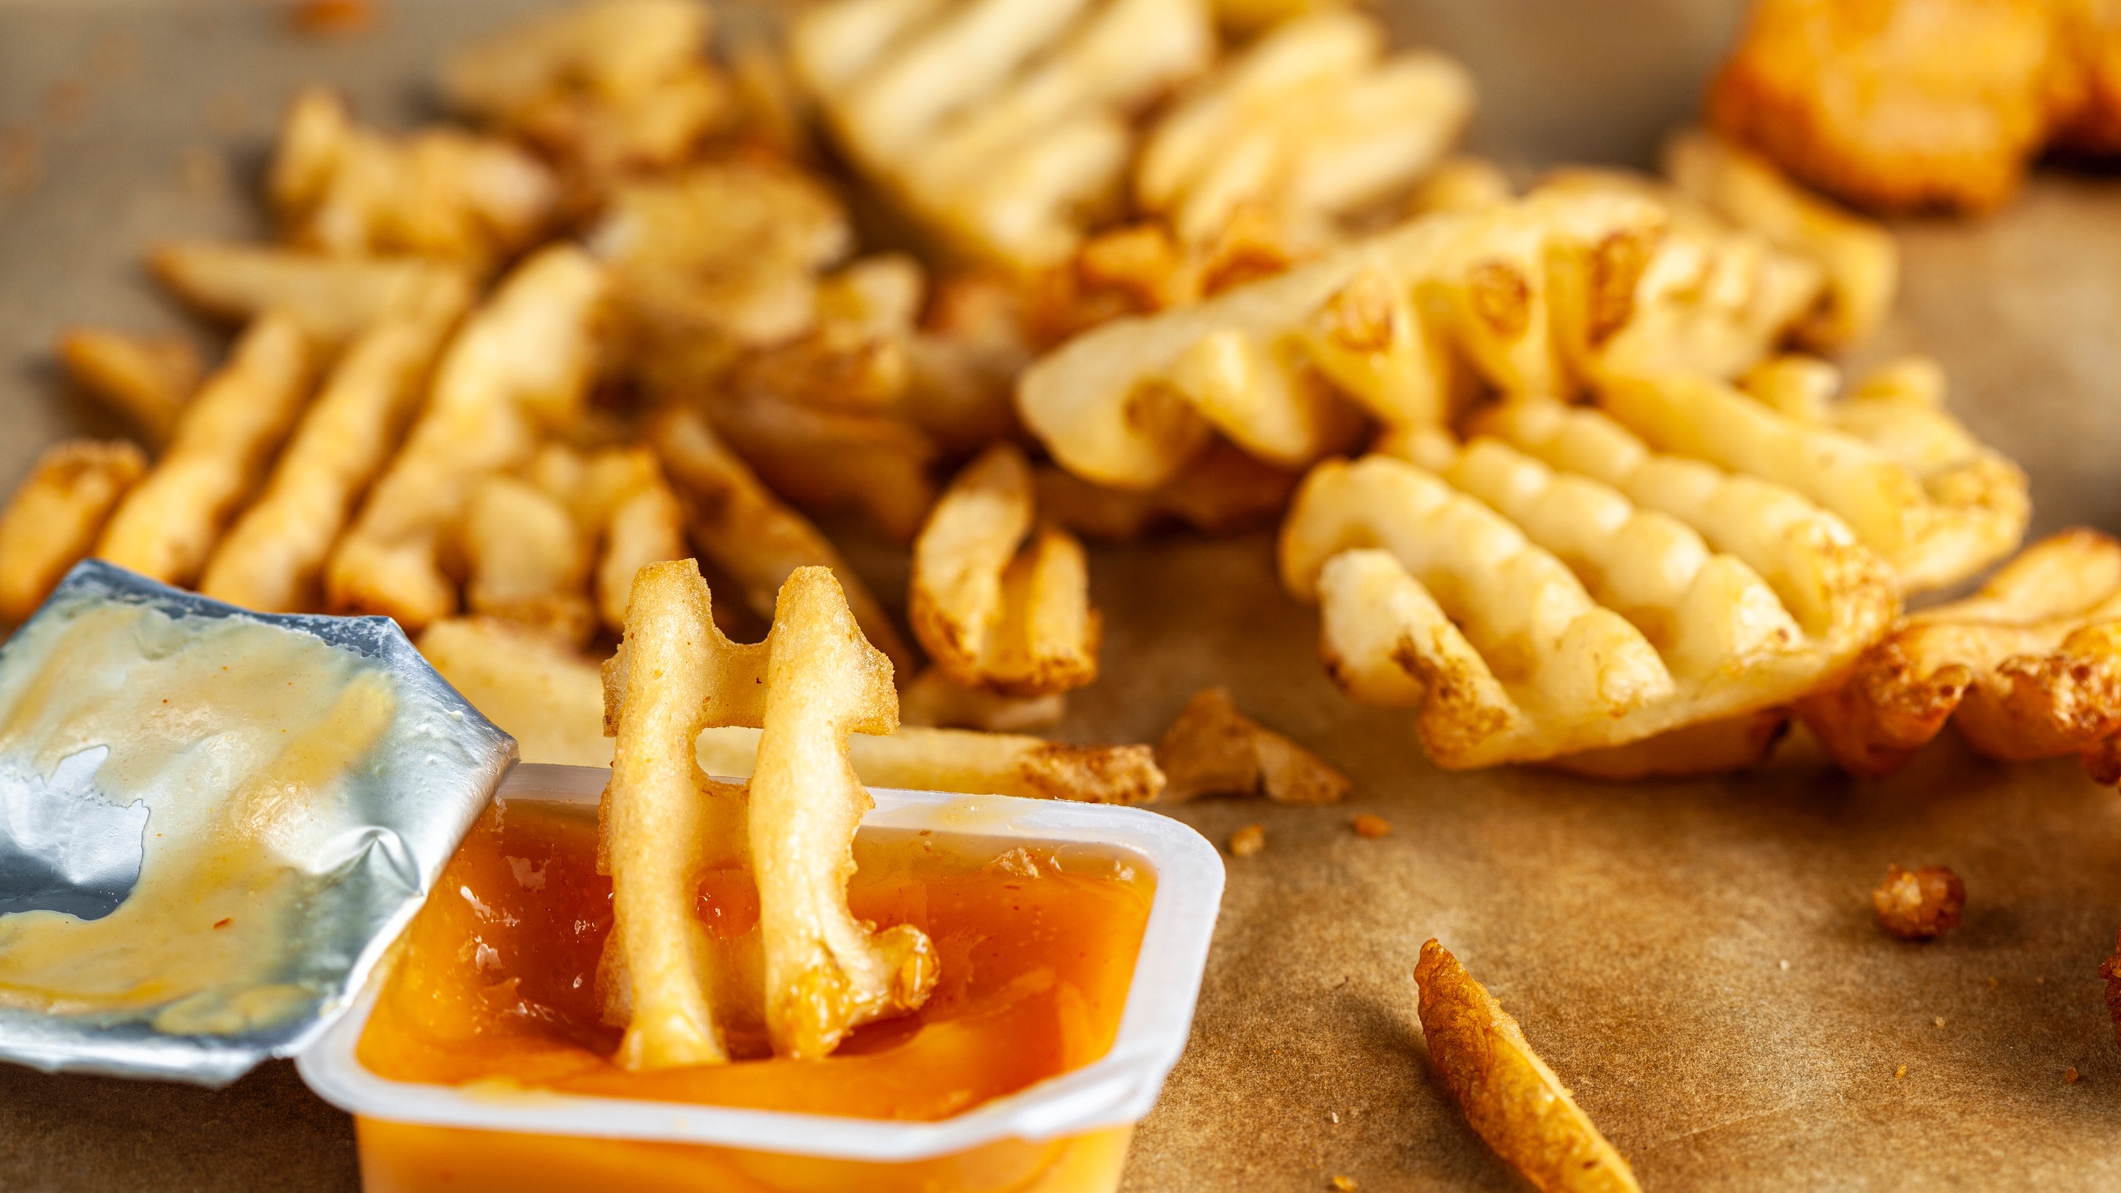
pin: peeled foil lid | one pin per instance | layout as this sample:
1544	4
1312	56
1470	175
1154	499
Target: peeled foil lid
213	823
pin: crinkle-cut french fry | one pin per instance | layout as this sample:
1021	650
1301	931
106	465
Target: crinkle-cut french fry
1461	183
527	559
346	190
1146	268
936	701
663	822
1472	611
1523	293
1710	748
521	362
997	605
167	525
602	86
2027	667
272	559
826	972
830	459
1310	121
1509	1096
538	689
1860	258
1715	298
1213	749
146	378
971	762
55	515
996	121
1224	491
333	298
1906	477
747	532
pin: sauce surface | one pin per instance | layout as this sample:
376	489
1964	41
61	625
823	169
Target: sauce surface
496	983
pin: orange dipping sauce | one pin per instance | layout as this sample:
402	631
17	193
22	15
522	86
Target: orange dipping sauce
496	983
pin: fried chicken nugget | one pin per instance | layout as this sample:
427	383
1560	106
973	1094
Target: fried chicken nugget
1898	105
55	515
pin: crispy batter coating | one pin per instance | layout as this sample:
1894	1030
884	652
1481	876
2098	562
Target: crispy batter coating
145	378
1213	749
1513	1101
1898	105
2027	667
56	514
973	763
333	298
541	690
1919	904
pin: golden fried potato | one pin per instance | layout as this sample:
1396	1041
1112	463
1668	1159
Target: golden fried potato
962	363
934	700
1709	748
333	298
645	525
521	363
1311	122
537	688
1522	293
1860	258
1213	749
1512	1100
1223	491
2091	32
997	122
747	532
826	972
1461	183
349	191
994	610
973	763
2027	667
1897	105
145	378
1905	476
56	514
824	460
1919	904
528	561
168	524
272	559
1555	587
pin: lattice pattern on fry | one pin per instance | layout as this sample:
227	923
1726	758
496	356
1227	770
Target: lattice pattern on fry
1905	475
1533	613
342	189
998	603
1310	122
1522	293
2027	667
997	121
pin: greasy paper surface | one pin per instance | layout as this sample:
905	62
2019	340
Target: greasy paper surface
1636	932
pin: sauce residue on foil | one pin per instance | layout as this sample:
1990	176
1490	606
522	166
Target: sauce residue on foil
234	736
496	983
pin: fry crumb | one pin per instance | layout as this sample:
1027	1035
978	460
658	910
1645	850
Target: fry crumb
1919	904
1344	1184
1248	840
1899	1072
332	18
1992	983
1940	1021
2071	1075
1370	826
1785	963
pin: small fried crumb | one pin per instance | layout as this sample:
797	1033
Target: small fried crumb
2071	1075
1899	1072
1248	840
1370	826
332	18
1346	1184
1939	1021
1919	904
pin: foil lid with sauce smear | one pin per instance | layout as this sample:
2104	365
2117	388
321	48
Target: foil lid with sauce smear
213	823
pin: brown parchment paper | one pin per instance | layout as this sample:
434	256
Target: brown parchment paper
1698	961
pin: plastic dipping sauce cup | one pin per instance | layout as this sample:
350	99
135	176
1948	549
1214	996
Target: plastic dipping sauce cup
1064	1134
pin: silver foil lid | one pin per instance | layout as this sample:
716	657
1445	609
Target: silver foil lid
213	823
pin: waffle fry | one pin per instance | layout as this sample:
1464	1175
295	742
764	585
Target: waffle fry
970	762
824	460
1461	183
540	691
1514	1102
145	378
994	610
523	361
2027	667
1521	293
168	524
1213	749
341	189
1223	491
935	701
272	559
997	121
1312	121
748	533
527	560
1532	612
333	298
55	515
1905	475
